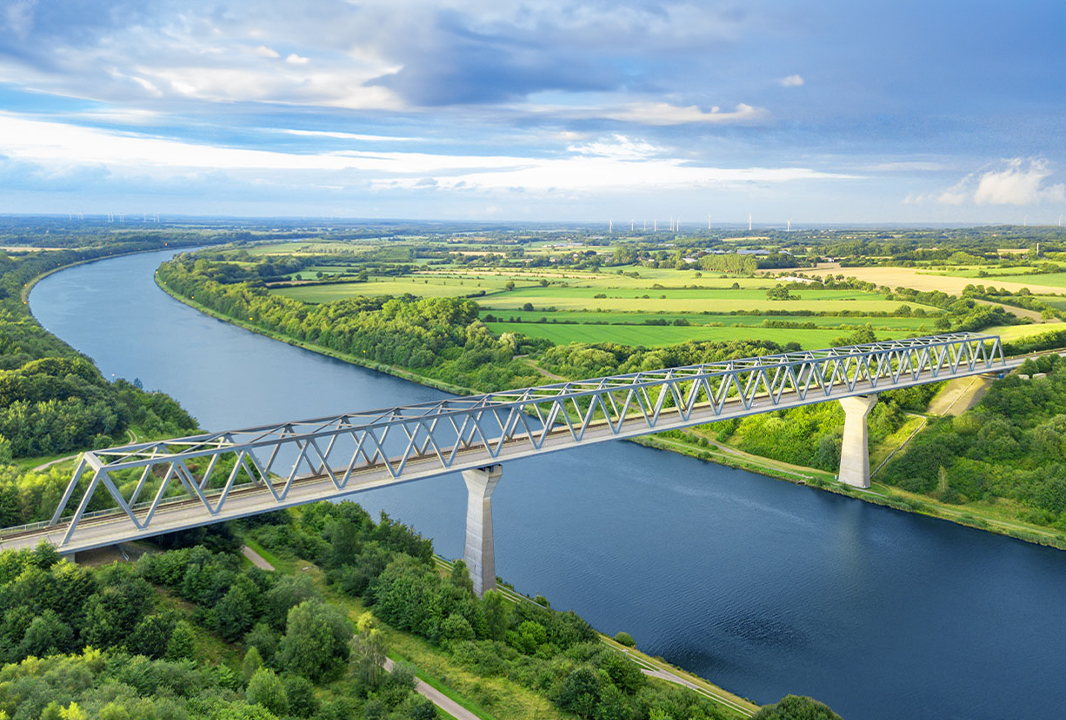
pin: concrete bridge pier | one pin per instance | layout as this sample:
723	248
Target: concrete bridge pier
855	449
478	555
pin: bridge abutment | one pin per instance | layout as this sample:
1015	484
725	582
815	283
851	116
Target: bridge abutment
479	555
855	448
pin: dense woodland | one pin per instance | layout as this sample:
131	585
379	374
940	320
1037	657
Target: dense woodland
145	641
53	399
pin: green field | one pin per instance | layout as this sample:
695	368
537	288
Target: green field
1059	303
720	301
994	274
832	322
1050	279
656	336
1018	273
712	300
1015	332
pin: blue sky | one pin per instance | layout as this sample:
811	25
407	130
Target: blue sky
819	112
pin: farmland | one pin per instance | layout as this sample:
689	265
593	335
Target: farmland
568	291
654	309
947	281
656	336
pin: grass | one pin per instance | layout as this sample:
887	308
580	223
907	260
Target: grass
1049	279
289	566
880	452
834	322
1015	332
657	336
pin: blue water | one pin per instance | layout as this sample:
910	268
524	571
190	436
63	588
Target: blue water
764	587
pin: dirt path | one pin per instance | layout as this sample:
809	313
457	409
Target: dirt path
1019	312
959	395
542	371
435	696
47	465
258	560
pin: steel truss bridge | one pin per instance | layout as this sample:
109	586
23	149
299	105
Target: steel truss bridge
147	489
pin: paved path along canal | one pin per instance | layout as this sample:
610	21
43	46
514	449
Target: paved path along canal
761	586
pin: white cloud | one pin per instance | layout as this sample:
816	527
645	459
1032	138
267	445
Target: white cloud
1018	181
294	59
1021	183
618	162
791	81
264	52
350	136
618	147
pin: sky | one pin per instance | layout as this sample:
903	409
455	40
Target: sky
583	110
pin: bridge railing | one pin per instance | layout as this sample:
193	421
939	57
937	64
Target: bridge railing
399	443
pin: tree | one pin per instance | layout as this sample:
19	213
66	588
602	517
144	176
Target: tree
344	543
579	693
232	616
460	576
46	635
367	654
266	689
265	640
497	614
151	636
251	663
301	696
287	593
315	644
794	707
182	643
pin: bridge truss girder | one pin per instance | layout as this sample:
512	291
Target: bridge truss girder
338	455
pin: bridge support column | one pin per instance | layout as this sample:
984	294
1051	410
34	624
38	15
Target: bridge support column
478	555
855	449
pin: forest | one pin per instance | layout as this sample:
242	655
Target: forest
52	398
